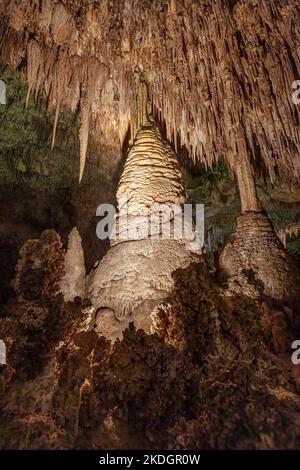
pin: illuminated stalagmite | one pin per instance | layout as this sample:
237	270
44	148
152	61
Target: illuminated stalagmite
135	275
256	261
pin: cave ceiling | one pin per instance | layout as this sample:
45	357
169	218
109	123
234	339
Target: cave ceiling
220	72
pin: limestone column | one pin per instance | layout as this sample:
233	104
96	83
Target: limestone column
135	275
255	262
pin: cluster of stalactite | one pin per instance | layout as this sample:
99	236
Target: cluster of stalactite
289	231
220	73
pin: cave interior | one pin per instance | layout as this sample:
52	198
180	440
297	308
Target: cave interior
133	342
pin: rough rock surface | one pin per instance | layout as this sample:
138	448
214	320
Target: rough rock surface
217	373
136	271
35	322
257	263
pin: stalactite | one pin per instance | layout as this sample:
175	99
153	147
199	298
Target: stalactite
288	231
246	184
28	96
83	137
55	125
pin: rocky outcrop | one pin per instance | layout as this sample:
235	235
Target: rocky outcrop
37	322
212	360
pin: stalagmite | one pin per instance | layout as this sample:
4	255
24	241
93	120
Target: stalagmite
256	262
73	281
136	274
2	352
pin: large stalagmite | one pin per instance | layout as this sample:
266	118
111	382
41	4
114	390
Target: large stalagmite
136	274
256	262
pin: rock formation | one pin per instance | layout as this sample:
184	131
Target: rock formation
220	72
211	357
73	281
256	261
136	273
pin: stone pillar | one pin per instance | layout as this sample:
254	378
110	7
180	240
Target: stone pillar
136	274
255	262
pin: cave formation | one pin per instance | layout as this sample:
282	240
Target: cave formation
127	290
149	102
257	260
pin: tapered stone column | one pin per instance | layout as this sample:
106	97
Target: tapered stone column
135	275
256	262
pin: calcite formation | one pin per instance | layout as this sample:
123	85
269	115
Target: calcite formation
256	262
73	281
151	173
220	72
289	231
136	274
